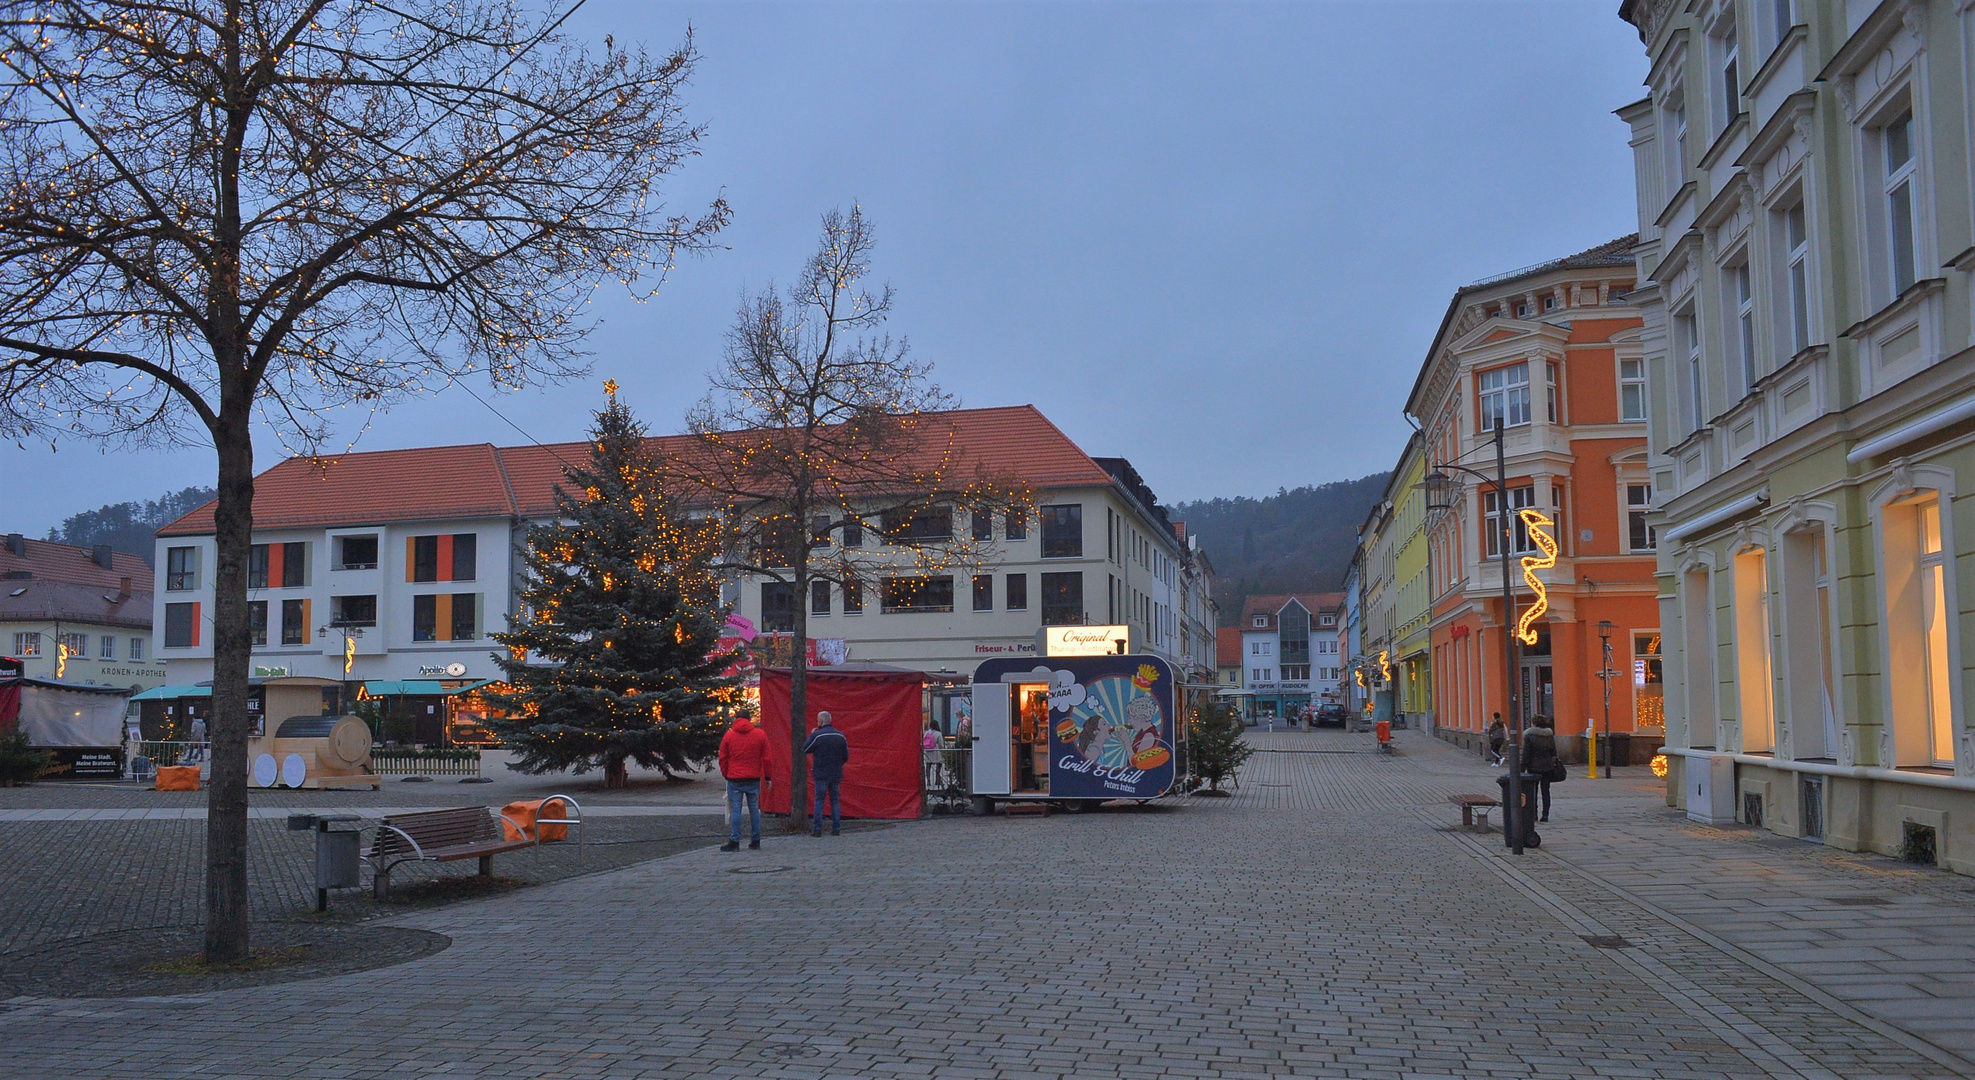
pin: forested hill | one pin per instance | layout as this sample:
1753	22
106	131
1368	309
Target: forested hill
1292	541
129	526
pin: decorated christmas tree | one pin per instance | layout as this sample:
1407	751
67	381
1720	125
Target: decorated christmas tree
614	655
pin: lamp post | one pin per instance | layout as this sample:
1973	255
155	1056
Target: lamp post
1606	673
1441	491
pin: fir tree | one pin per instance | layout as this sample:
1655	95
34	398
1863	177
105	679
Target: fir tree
615	654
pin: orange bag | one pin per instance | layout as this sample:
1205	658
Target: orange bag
178	778
525	813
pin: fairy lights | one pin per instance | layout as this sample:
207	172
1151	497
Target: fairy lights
1536	522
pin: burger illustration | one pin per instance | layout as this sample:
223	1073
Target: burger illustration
1066	730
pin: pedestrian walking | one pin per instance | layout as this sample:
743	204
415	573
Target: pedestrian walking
743	761
828	750
927	741
197	750
1498	737
1539	758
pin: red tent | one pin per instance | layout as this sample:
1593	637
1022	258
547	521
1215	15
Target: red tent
879	710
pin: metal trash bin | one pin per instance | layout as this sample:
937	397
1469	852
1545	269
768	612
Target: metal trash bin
338	852
1527	815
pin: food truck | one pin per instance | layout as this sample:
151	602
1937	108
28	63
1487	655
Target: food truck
1076	730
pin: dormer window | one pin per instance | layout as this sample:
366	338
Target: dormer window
1261	621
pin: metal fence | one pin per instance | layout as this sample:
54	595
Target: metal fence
166	752
948	776
398	761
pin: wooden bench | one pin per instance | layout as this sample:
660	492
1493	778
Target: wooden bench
469	832
1470	804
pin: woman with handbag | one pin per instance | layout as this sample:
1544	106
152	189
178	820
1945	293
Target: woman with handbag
1539	758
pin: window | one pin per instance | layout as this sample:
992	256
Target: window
1745	323
853	597
356	552
1648	687
1639	536
1550	379
1809	688
1062	533
1504	395
1934	610
1261	621
29	642
1731	75
910	595
107	647
1062	599
1897	139
1690	340
1780	19
276	566
983	592
1698	648
1681	160
983	525
1549	304
921	525
1632	390
819	531
819	598
76	645
353	611
181	569
445	617
294	622
853	533
466	616
137	648
181	626
1327	619
1497	527
1796	240
777	607
1018	592
1522	309
1296	672
257	622
1017	525
449	557
1754	674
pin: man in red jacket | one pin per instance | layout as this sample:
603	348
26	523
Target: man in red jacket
743	761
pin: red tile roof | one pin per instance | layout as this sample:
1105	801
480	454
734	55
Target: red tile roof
47	560
1267	606
479	481
1227	646
65	583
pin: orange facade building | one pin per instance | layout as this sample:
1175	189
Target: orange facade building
1554	351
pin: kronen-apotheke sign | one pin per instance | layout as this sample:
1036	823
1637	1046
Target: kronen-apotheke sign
1086	640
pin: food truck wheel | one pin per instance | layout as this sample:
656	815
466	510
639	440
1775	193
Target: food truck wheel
983	806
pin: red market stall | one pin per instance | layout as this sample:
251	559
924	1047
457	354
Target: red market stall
879	711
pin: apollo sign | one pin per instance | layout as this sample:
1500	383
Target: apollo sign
1086	640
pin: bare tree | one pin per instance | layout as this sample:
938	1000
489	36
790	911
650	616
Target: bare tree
822	442
218	210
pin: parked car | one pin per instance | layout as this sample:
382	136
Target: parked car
1331	713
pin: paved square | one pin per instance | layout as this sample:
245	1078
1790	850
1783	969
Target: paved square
1328	921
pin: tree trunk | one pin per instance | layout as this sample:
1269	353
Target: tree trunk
615	773
799	696
226	793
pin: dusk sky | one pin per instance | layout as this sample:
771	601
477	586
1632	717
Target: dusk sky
1212	238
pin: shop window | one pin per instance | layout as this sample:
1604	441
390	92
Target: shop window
181	626
1062	598
1018	592
983	592
353	611
777	607
819	598
181	569
356	552
1754	673
1919	604
294	622
1648	688
257	622
28	643
918	526
1698	651
1809	650
446	557
914	595
1063	533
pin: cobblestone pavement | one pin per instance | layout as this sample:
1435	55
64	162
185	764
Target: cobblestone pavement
1327	921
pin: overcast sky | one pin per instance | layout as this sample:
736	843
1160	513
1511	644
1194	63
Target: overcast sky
1213	238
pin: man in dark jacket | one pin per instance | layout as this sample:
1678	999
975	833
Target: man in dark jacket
827	750
743	761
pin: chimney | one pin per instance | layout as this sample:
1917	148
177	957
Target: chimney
123	588
17	543
101	555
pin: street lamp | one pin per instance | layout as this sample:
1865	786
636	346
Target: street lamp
1441	492
1606	673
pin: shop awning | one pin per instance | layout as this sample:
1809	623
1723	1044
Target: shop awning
389	687
167	693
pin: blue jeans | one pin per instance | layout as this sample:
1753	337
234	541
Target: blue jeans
833	789
739	791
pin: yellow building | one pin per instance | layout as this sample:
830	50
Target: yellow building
1411	600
